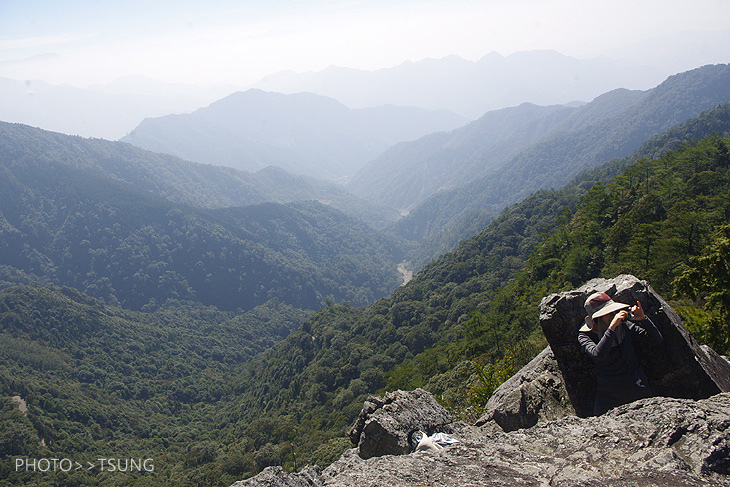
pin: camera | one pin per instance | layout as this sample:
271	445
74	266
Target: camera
631	315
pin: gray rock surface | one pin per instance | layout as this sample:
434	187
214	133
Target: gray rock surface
678	368
386	423
535	393
276	477
653	442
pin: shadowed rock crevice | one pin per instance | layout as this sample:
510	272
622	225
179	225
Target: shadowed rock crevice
535	393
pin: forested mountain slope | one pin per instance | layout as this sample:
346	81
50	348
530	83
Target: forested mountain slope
175	179
411	172
102	381
66	217
303	133
716	119
479	302
173	383
553	161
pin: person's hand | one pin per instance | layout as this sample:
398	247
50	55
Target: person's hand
618	318
638	311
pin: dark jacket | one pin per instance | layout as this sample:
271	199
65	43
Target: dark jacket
619	376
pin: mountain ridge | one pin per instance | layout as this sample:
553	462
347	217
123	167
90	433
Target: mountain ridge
303	133
553	161
181	181
542	77
70	218
480	147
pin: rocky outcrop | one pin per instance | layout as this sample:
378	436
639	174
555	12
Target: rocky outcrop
560	381
276	477
535	393
679	368
385	424
537	430
653	442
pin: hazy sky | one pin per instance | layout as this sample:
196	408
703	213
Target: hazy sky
81	42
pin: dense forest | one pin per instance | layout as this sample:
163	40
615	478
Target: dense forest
215	394
76	226
102	381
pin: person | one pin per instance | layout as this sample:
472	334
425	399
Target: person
608	336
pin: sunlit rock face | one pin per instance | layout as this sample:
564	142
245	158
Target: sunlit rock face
386	424
535	393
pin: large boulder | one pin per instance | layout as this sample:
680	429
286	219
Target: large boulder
385	424
550	387
535	393
679	368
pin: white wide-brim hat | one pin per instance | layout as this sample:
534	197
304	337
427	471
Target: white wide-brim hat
597	305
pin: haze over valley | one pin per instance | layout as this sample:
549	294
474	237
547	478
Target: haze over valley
224	226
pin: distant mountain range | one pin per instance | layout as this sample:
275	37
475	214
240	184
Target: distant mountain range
302	133
471	88
411	172
450	184
472	173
